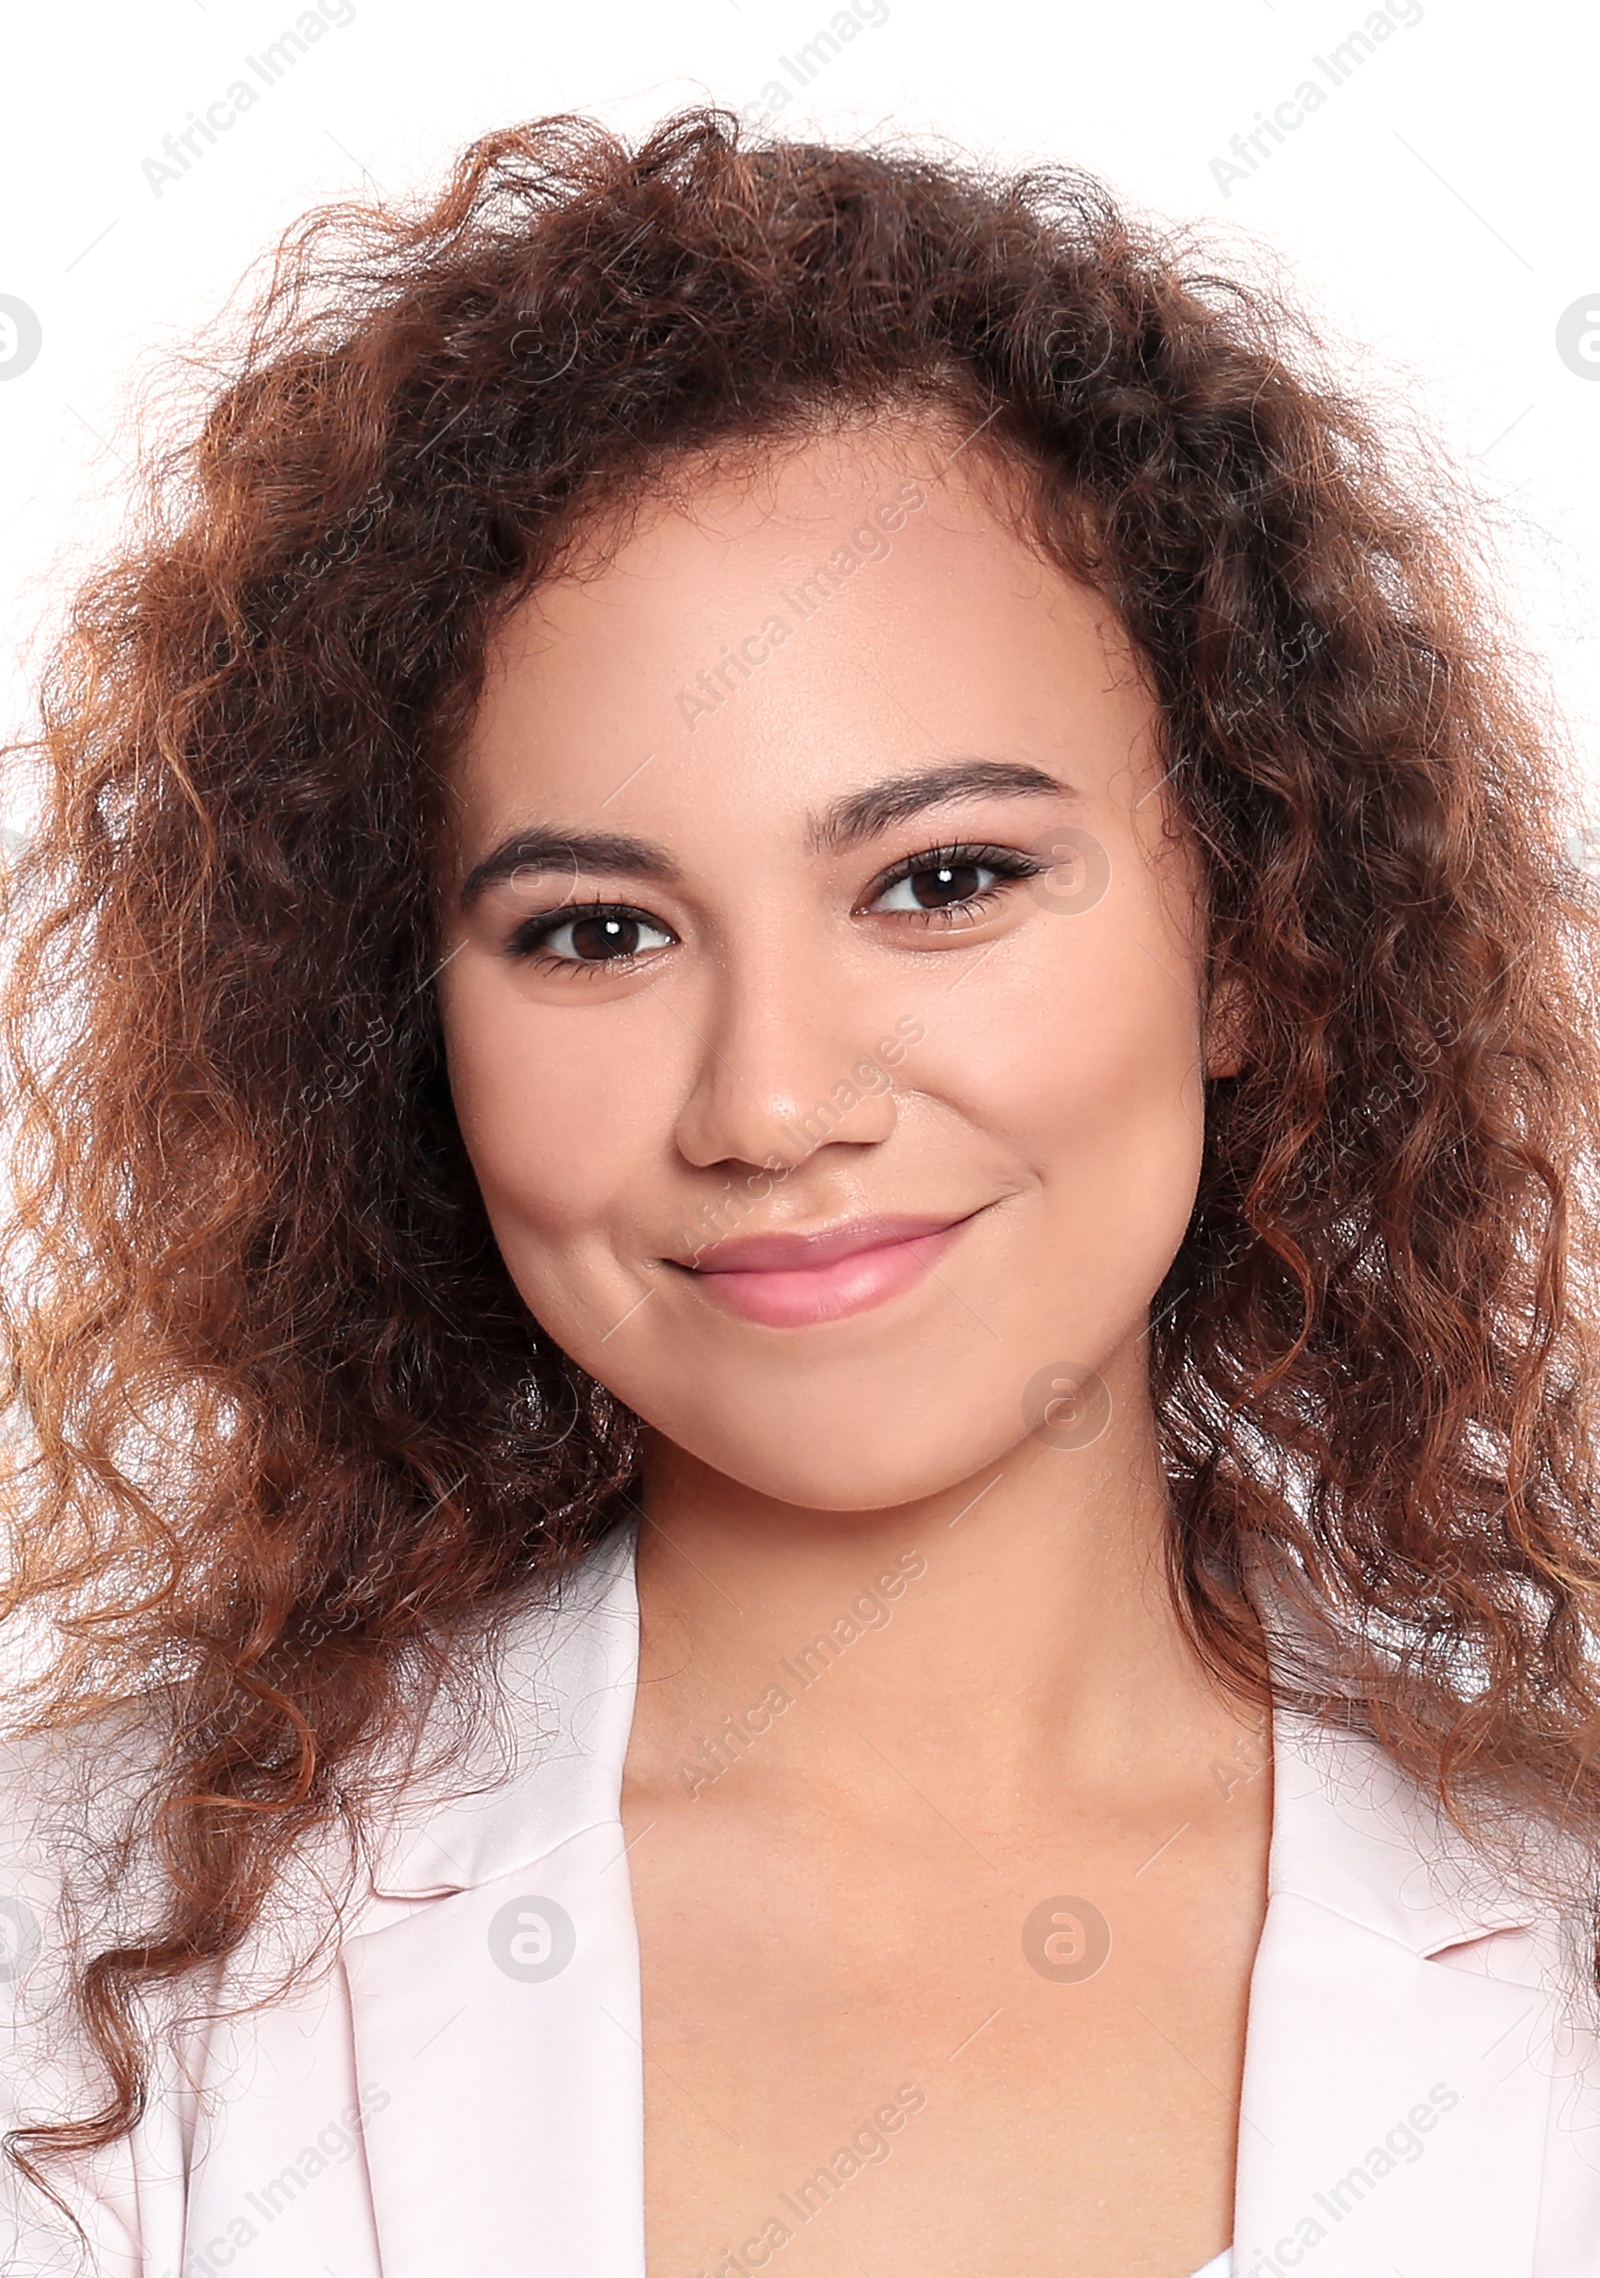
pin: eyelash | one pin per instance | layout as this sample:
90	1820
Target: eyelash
1008	863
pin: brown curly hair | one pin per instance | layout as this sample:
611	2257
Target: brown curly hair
288	1451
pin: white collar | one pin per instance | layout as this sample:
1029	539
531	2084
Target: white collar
1350	1829
530	2098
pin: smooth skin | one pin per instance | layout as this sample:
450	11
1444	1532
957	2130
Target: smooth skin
853	1864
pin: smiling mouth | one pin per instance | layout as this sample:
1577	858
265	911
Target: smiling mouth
793	1280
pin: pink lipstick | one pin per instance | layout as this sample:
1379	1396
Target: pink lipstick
788	1281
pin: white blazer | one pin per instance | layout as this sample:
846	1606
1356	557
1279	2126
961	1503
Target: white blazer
463	2090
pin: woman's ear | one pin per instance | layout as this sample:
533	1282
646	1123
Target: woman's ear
1227	1036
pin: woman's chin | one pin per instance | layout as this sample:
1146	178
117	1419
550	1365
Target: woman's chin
830	1471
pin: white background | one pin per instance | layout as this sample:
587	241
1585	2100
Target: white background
1437	213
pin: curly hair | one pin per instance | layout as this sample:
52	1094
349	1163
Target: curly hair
286	1445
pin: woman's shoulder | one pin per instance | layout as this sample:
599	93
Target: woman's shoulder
78	1799
546	1753
1490	1888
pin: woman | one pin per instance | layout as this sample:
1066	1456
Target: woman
807	1302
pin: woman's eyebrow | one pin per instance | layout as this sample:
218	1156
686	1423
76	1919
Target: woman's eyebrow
539	849
859	815
863	814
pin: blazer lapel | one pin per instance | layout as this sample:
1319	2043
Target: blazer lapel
496	2020
1395	2106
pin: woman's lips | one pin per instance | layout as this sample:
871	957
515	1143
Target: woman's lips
786	1281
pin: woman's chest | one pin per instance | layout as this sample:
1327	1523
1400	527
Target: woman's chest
938	2066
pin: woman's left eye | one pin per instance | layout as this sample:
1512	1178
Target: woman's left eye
955	879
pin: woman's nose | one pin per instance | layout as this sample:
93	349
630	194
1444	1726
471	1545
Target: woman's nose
787	1061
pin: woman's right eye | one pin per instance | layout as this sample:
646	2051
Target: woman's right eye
600	936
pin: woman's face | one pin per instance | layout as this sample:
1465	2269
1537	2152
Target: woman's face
822	990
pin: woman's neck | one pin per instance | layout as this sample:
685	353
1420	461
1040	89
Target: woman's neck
1011	1637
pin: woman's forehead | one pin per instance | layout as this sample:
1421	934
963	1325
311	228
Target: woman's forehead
861	600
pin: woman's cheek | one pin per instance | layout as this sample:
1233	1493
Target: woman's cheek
1089	1086
558	1128
1067	1048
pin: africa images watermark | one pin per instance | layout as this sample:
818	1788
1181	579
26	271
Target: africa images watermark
19	1938
817	53
1578	346
21	338
719	1752
868	2146
190	144
871	543
808	1132
532	1939
1402	2145
1066	1939
1066	1405
1252	149
332	2146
